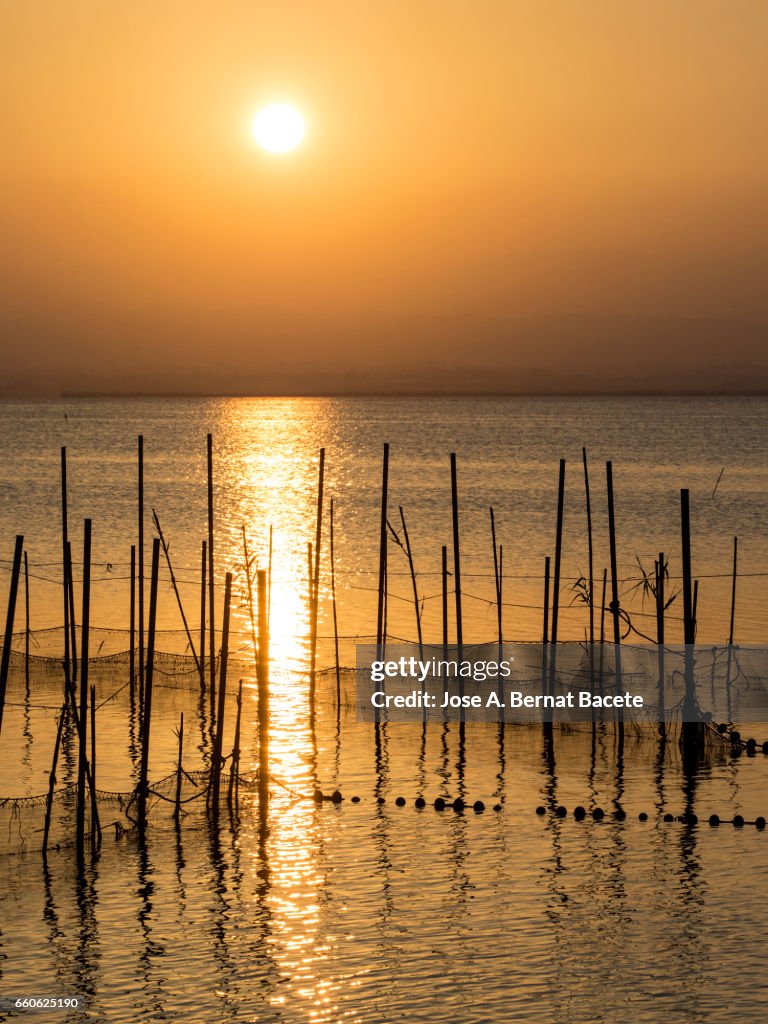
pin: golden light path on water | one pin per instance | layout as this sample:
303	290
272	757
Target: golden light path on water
284	854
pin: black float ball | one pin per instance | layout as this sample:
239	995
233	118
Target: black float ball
669	817
380	800
738	821
420	802
722	728
541	810
760	822
692	819
478	806
642	816
714	819
497	807
561	811
736	751
619	814
598	814
458	804
765	747
355	799
751	743
439	804
400	802
735	736
317	796
579	813
336	796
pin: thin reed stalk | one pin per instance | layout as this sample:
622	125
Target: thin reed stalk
316	576
263	684
381	613
615	606
132	621
64	569
556	575
211	579
95	824
496	575
203	567
140	545
234	774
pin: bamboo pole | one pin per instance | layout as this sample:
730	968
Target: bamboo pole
409	555
203	566
64	563
72	616
556	575
316	574
660	640
143	788
179	772
444	581
590	557
83	713
380	627
456	557
9	618
141	564
335	617
217	761
729	658
95	824
211	579
263	684
615	607
132	622
690	730
52	779
234	774
26	621
496	574
545	630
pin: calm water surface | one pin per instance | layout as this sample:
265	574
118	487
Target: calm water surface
370	912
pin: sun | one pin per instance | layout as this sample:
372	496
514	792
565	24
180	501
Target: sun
278	128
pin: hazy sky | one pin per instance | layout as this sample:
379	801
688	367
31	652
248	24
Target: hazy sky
493	194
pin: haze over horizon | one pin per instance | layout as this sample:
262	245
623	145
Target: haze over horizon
512	198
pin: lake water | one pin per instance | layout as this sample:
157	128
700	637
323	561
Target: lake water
369	911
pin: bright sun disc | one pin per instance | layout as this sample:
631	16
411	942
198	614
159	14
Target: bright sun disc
278	128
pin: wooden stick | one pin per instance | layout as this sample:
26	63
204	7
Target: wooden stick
496	573
216	762
26	621
141	564
211	579
316	573
545	628
64	562
456	554
132	616
615	608
409	555
143	788
9	618
52	779
382	553
203	566
335	619
83	714
590	556
556	574
72	617
263	683
690	726
660	601
179	772
95	824
235	767
444	579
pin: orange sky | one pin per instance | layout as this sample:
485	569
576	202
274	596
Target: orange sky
519	194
